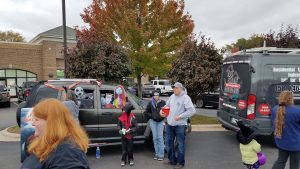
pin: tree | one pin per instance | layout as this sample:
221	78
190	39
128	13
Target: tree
197	66
149	30
285	38
254	41
11	36
98	59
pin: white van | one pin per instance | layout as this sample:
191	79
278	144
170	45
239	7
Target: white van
163	86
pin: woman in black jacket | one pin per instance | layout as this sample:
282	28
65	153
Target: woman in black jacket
156	124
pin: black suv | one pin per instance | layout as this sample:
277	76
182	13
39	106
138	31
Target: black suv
24	90
100	122
4	95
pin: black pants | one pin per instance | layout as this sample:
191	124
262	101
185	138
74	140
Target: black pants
127	149
283	156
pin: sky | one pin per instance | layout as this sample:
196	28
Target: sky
224	21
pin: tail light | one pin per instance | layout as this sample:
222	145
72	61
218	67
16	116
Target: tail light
27	93
251	107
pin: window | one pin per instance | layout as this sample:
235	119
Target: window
21	73
107	99
2	73
30	74
85	97
60	73
10	73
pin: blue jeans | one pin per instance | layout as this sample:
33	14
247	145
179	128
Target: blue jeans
178	133
157	129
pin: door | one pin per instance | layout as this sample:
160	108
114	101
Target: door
235	87
88	112
12	86
108	115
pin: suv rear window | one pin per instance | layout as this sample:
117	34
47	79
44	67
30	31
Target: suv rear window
236	78
45	93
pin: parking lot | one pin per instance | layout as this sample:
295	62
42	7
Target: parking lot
203	150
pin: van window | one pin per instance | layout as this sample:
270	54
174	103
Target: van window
236	79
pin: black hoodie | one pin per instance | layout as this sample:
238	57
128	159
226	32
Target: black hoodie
153	110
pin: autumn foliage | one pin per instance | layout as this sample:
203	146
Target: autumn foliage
150	31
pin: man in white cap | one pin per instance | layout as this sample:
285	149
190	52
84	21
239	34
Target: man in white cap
181	108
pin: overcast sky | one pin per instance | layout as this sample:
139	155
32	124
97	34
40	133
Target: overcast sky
222	20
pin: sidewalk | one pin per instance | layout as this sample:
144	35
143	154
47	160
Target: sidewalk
5	136
11	137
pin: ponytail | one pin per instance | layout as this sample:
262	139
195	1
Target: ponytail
285	99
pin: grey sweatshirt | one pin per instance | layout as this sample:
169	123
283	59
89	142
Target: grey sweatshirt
181	106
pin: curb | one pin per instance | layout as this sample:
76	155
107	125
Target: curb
6	136
207	127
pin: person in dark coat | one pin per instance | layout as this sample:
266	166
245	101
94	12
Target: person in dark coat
156	124
58	141
127	125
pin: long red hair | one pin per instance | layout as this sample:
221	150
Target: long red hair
60	125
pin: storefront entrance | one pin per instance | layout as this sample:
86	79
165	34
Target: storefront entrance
13	78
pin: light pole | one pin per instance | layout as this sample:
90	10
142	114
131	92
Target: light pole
65	36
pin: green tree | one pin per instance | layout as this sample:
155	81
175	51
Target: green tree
149	30
197	66
11	36
98	59
254	41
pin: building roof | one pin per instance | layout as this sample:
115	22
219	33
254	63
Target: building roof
55	34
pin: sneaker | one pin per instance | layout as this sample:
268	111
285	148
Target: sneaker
155	157
131	163
178	166
122	163
160	159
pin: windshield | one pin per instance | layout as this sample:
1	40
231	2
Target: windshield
235	79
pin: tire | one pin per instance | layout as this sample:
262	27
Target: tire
7	104
200	103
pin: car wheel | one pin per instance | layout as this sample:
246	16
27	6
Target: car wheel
200	103
7	104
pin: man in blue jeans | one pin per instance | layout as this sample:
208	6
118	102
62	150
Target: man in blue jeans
181	108
156	124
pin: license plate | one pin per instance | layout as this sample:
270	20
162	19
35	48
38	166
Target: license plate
234	121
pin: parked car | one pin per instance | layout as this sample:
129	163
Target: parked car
251	82
148	89
163	86
24	90
207	99
98	120
133	89
4	95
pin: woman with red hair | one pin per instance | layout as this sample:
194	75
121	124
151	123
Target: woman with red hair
59	142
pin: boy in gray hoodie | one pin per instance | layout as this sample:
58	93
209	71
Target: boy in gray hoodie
181	108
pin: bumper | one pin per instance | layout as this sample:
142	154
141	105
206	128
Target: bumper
4	100
264	125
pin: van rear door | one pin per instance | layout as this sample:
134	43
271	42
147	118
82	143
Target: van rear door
235	87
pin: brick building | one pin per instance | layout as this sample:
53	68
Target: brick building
39	59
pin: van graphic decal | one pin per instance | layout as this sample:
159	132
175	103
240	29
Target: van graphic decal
232	82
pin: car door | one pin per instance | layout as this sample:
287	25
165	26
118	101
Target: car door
88	112
108	116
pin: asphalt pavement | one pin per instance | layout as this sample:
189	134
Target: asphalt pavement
8	116
204	150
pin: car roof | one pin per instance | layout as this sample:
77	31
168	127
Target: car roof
62	82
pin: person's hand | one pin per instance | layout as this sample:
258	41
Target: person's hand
123	131
176	118
120	132
162	114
